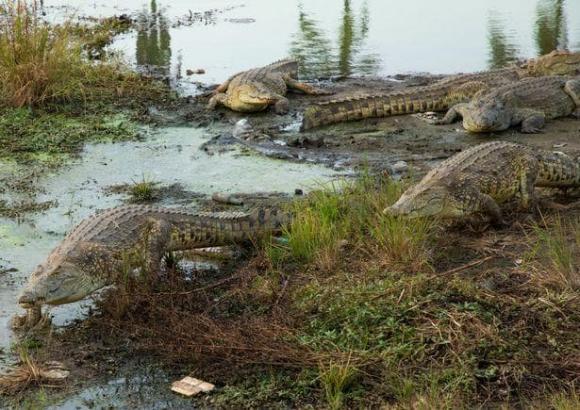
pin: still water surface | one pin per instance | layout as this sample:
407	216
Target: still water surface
337	37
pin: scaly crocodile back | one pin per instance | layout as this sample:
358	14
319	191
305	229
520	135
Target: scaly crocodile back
544	94
558	170
121	226
287	65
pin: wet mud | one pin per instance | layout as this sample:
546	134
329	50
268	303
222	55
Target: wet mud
393	144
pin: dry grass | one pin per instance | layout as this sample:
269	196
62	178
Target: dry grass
37	62
42	63
557	246
335	379
30	373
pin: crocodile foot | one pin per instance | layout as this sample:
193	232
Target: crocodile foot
282	106
31	320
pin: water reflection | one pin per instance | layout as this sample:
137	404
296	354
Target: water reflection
551	31
501	50
153	46
317	55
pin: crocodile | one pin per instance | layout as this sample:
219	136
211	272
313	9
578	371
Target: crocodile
96	249
479	179
529	102
257	89
439	96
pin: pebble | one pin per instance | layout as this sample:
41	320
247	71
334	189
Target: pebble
242	129
399	166
197	71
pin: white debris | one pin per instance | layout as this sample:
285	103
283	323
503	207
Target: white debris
242	129
190	386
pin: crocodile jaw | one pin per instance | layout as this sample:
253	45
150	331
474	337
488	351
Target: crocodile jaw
60	285
490	117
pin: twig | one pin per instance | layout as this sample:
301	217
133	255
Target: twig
467	266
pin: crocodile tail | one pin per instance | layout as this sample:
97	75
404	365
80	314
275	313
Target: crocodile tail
217	228
558	170
373	106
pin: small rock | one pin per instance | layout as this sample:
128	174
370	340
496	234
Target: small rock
190	386
562	145
225	198
192	72
242	129
298	191
399	166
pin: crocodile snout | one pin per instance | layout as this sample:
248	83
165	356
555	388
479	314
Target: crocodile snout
28	299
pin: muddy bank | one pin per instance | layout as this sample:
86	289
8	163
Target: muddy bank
394	144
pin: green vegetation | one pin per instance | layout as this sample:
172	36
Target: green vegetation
558	246
335	379
27	134
143	191
44	64
349	214
53	97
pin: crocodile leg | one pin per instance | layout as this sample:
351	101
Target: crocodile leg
490	207
223	87
156	238
527	180
282	105
532	121
218	99
453	114
305	88
572	88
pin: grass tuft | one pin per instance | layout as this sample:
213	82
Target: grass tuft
43	64
558	246
349	214
335	379
143	191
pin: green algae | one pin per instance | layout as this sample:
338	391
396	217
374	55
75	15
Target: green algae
44	137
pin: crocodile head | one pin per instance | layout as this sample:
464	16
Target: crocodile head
487	115
58	283
249	98
558	62
424	200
